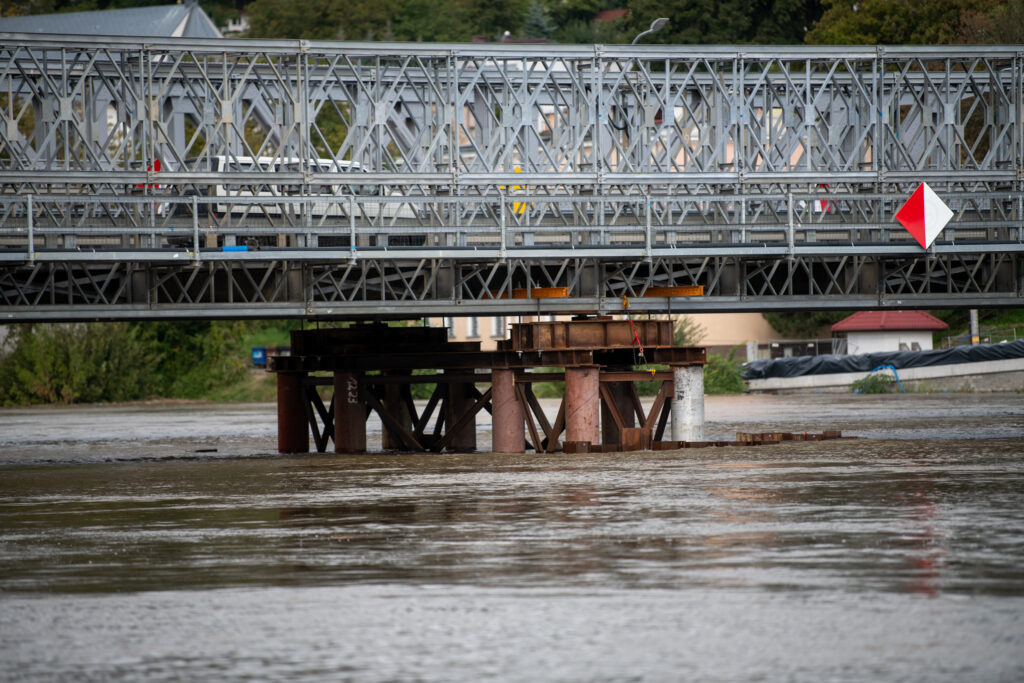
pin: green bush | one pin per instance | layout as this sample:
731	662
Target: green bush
77	363
121	361
215	359
875	383
723	375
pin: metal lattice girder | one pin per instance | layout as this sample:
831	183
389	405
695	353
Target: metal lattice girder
408	288
466	115
106	285
400	179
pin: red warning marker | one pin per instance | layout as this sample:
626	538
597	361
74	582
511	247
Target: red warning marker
924	215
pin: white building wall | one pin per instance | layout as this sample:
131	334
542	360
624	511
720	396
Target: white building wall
485	329
888	340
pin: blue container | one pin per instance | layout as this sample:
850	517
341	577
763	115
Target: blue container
259	356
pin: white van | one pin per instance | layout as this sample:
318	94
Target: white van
332	196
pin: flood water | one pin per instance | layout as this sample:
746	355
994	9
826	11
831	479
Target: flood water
173	543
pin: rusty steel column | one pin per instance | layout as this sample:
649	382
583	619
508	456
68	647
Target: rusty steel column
688	403
583	404
292	424
620	392
460	400
508	430
394	403
349	414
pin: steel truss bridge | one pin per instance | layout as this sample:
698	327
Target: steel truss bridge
202	178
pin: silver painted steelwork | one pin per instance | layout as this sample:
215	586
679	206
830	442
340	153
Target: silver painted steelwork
211	178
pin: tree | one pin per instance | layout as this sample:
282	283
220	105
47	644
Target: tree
802	325
686	331
406	20
784	22
1002	23
70	363
567	11
537	23
695	22
308	19
692	22
420	20
897	22
586	32
492	19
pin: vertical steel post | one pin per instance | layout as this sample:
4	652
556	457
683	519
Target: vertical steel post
292	423
508	431
307	206
352	224
743	217
394	403
349	414
647	230
504	236
790	237
30	210
620	393
583	404
460	400
195	227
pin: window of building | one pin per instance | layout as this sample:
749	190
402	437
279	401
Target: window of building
450	324
498	326
472	327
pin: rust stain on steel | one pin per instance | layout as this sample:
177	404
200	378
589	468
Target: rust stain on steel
597	333
684	290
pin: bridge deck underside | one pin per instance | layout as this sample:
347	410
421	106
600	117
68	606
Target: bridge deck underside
407	288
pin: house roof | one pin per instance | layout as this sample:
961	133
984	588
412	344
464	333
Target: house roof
610	15
162	21
865	321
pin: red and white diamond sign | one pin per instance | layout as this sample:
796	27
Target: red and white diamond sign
924	215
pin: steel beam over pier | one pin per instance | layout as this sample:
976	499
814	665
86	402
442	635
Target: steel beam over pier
192	178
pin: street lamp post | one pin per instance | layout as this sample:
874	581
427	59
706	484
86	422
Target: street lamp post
656	25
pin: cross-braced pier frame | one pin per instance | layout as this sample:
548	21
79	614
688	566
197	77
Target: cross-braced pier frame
372	368
202	178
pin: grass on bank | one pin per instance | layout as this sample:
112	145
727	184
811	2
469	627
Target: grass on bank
995	326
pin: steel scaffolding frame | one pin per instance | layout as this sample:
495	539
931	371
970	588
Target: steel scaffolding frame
401	180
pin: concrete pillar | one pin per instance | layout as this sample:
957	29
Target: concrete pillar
349	414
292	425
583	404
688	403
508	430
460	400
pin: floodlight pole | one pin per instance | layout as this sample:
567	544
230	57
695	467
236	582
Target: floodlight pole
656	25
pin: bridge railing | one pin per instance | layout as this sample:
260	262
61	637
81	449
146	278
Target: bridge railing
506	221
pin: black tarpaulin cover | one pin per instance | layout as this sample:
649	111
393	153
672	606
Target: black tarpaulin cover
866	362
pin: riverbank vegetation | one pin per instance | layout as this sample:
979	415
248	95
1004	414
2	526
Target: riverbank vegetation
65	363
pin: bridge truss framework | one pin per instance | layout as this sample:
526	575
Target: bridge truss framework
197	178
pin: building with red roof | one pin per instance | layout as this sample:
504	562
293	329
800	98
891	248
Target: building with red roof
872	331
611	15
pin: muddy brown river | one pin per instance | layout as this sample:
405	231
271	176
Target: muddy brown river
171	543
